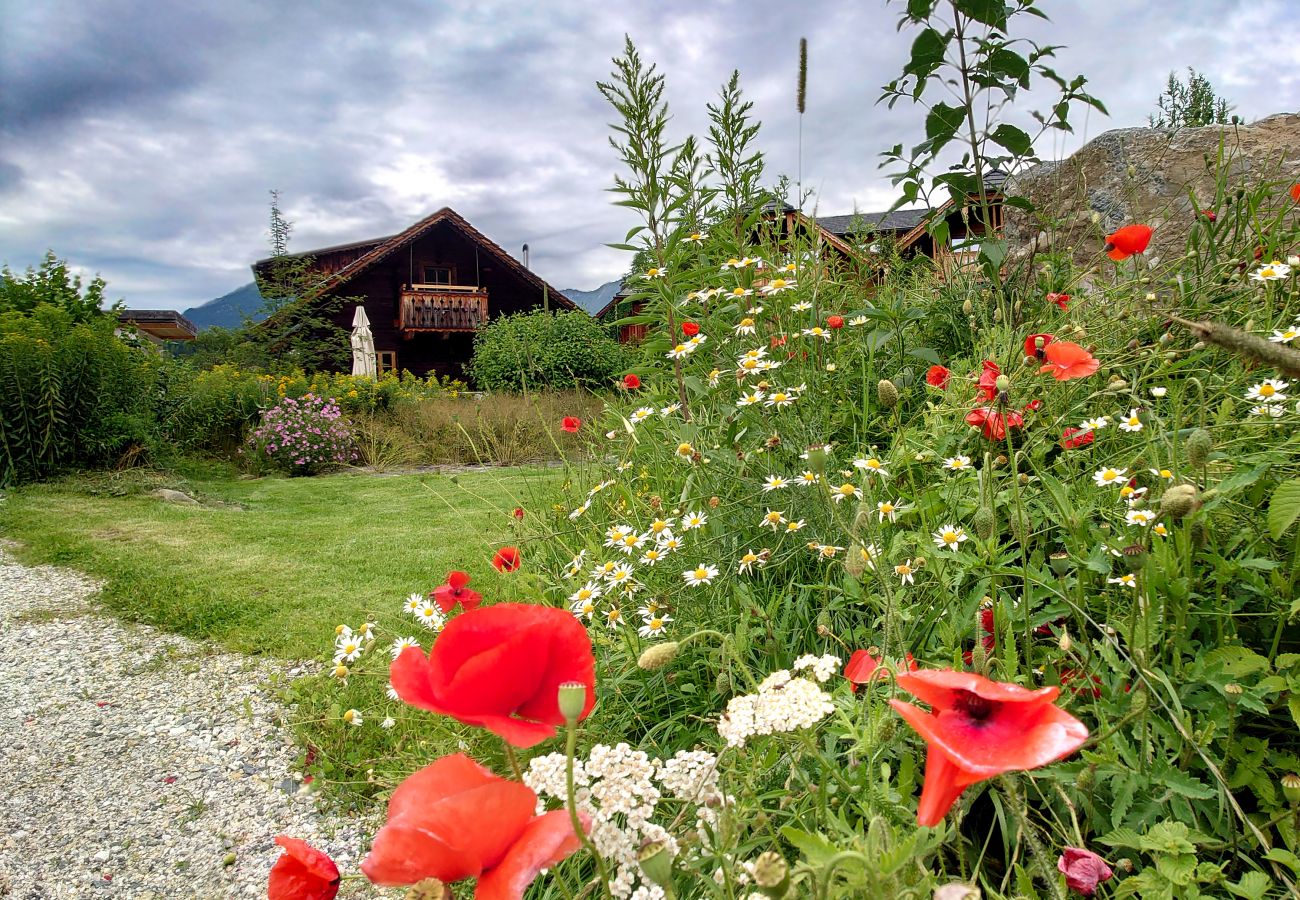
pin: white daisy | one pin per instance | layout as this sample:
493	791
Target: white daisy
681	351
697	236
873	466
654	272
752	560
654	625
889	510
739	292
589	591
1159	392
387	723
817	332
670	409
775	483
957	463
669	543
773	519
949	537
744	326
779	399
846	491
430	617
868	553
353	718
1140	517
613	618
1127	580
858	321
603	570
795	525
701	574
347	648
684	451
693	520
413	604
652	556
1286	335
621	574
905	572
801	306
1273	271
575	565
584	609
777	286
1131	422
750	399
1160	529
1166	474
402	643
1096	424
641	414
1268	410
1108	476
579	510
1270	390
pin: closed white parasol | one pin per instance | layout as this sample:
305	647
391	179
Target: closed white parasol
363	345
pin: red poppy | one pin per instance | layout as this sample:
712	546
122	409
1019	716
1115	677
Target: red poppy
834	322
977	728
778	340
631	382
454	819
1127	241
1295	192
862	668
506	559
1035	344
938	376
1209	215
994	422
987	386
571	424
1072	438
454	591
690	329
1061	300
1033	406
1067	360
1083	870
500	668
302	873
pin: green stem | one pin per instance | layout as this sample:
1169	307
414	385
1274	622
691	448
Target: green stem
570	747
514	763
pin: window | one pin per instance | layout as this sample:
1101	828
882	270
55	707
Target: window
386	361
435	274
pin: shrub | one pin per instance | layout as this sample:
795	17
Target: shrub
71	394
545	350
303	436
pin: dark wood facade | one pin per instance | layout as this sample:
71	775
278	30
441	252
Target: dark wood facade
427	291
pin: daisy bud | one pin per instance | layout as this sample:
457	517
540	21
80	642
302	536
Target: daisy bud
656	863
656	656
1060	562
428	889
1180	501
771	874
1291	788
1198	446
957	891
572	697
887	393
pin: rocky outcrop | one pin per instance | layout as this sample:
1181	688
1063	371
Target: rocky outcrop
1154	176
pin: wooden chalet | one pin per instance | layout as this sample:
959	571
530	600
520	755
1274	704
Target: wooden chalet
157	325
426	291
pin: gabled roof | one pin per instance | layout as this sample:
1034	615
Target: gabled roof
387	246
164	324
893	220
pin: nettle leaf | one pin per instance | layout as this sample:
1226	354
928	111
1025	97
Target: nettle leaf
1284	508
815	847
1186	785
1235	662
1168	837
942	123
1253	885
1013	139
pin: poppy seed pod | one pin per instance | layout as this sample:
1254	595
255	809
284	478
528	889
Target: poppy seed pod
1135	557
771	874
1291	788
571	697
1199	444
887	393
656	863
428	889
656	656
1180	501
1060	562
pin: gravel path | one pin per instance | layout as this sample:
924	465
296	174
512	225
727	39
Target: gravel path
137	764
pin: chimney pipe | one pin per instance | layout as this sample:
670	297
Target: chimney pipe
525	256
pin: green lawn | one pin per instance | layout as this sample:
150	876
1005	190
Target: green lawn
271	565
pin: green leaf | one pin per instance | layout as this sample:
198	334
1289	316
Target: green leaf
1284	857
920	9
942	123
927	55
1010	63
1284	508
1293	704
1186	785
989	12
815	847
926	354
1168	837
1235	662
1023	203
1253	885
1013	139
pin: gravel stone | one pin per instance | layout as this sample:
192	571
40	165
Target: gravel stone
135	763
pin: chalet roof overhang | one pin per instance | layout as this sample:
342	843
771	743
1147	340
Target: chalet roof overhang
164	324
388	246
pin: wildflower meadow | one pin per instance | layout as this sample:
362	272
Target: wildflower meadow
875	580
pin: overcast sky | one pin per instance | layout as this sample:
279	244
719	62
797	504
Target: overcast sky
139	140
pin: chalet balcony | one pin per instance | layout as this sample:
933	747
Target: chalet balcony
442	307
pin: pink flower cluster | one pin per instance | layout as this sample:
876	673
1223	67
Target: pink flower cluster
301	436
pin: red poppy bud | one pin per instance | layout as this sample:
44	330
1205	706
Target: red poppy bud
506	559
690	329
1209	215
834	322
571	424
1033	406
518	513
1295	192
1083	870
631	382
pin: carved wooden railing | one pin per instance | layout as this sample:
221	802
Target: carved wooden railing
443	307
